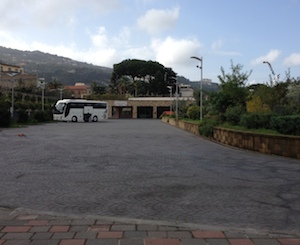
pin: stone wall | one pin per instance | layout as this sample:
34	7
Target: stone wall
288	146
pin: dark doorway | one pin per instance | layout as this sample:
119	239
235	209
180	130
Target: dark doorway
122	112
144	112
161	109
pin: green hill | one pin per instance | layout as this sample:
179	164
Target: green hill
65	70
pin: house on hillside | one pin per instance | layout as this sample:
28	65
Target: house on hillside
79	90
186	90
12	75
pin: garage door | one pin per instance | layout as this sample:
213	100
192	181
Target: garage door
144	112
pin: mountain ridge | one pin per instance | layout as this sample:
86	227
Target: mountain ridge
54	67
68	71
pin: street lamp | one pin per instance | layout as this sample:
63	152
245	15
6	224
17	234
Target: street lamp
272	71
170	89
41	84
201	77
176	96
12	92
60	92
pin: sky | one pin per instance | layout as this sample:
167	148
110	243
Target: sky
106	32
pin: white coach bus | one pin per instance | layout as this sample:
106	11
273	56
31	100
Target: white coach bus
79	110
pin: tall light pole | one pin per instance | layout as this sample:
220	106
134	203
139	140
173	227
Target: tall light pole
176	100
273	73
12	92
60	92
201	77
176	106
41	84
170	89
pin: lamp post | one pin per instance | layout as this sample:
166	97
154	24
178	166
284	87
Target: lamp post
176	99
12	92
176	96
42	86
272	71
60	92
170	89
201	77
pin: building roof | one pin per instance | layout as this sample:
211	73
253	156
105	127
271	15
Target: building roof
159	98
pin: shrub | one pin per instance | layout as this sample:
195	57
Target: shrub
166	114
22	116
206	127
4	118
286	124
256	120
193	112
233	114
43	116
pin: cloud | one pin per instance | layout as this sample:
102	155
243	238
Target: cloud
48	13
172	52
100	39
158	20
216	45
292	60
10	40
270	57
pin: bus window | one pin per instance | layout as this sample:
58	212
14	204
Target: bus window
59	108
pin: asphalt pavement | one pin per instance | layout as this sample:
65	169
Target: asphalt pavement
147	171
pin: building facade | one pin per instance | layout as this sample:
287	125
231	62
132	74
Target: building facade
79	90
144	107
14	76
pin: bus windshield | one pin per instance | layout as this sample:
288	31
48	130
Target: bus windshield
59	108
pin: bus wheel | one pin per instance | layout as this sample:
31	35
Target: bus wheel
95	119
74	119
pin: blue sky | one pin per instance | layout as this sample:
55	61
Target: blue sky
105	32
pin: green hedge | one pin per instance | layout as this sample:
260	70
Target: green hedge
5	118
256	120
43	116
22	116
289	125
206	127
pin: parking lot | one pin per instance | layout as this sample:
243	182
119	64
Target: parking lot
146	169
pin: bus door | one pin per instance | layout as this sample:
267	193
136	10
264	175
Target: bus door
87	113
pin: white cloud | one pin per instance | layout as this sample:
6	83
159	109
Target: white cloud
10	40
216	45
142	53
123	38
292	60
171	52
100	39
158	20
270	57
47	13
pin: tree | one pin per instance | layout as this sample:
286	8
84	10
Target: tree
54	85
98	89
233	91
146	77
293	95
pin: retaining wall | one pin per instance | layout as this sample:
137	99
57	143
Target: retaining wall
288	146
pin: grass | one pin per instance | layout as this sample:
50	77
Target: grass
236	127
257	131
190	120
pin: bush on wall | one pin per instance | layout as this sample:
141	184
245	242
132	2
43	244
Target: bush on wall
256	120
206	127
4	118
289	125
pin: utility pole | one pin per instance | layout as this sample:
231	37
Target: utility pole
201	78
274	79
